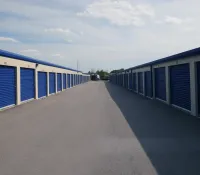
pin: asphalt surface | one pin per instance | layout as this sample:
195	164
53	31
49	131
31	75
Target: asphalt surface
98	129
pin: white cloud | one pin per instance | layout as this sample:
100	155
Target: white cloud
31	52
176	20
96	43
121	12
58	55
7	39
57	30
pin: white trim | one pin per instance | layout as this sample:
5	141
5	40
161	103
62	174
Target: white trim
143	69
161	100
7	107
182	109
141	94
149	97
26	101
42	97
178	62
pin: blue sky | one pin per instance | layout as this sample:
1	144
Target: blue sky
100	34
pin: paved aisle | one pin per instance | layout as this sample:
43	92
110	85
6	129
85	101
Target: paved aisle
83	131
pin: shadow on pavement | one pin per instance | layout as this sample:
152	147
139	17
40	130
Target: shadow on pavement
170	138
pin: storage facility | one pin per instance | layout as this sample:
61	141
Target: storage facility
174	80
23	79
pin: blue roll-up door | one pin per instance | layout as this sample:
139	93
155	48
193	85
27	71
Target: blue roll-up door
198	85
134	82
52	83
59	82
68	80
131	81
64	81
78	79
7	86
180	86
127	80
140	83
72	80
27	84
42	84
148	84
160	83
122	79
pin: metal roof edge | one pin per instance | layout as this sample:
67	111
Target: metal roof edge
192	52
29	59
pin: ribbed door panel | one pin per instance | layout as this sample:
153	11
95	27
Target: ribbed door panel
7	86
130	81
140	83
134	82
72	80
148	84
59	82
68	80
127	81
64	81
198	85
27	83
160	83
42	84
180	86
52	83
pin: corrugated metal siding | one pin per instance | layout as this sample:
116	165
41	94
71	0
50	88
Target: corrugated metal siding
59	82
72	80
68	80
42	84
27	83
64	81
160	83
148	84
140	83
52	83
134	82
198	85
131	81
7	86
180	86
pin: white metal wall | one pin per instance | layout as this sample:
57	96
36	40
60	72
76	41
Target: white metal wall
192	61
4	61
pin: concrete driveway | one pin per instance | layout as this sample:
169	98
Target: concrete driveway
98	129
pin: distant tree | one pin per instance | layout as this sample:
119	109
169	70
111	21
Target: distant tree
117	71
103	74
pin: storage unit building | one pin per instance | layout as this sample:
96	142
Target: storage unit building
42	84
174	80
23	78
7	86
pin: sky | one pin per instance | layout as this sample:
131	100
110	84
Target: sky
99	34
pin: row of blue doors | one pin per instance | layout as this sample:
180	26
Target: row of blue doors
8	81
